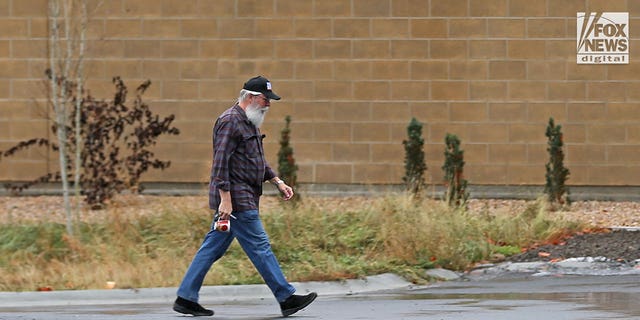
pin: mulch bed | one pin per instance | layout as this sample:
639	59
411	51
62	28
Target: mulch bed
619	245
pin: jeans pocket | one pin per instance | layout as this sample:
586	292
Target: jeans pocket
248	215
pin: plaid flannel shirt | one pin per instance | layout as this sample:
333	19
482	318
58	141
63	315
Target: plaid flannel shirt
239	165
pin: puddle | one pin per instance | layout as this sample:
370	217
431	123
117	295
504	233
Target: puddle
627	303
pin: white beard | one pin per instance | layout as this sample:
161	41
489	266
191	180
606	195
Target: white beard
256	114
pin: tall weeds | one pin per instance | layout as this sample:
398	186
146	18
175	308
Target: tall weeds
396	233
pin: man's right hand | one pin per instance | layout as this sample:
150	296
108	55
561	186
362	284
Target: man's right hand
225	208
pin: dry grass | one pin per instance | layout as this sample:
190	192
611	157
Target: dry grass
149	241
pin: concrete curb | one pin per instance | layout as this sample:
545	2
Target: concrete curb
208	294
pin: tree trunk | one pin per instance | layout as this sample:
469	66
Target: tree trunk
79	100
59	105
63	64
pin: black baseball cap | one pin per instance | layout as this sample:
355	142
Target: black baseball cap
259	85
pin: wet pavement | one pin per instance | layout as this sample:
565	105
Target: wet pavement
511	296
582	266
541	297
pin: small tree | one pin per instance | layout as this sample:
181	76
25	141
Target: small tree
557	175
456	193
287	168
115	144
414	164
66	35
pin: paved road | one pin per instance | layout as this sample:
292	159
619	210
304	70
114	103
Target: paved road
521	297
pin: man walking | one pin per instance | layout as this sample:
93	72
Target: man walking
238	171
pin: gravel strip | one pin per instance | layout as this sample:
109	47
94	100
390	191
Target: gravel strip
595	213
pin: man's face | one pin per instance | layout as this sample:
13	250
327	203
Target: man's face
257	109
262	101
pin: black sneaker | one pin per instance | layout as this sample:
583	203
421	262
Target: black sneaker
296	303
189	307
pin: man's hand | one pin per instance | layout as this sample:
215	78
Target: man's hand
287	192
225	208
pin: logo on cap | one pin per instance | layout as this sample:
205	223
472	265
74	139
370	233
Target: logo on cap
268	85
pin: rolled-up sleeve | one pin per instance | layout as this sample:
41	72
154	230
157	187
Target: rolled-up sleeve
223	146
268	173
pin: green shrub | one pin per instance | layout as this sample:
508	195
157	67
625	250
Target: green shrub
287	168
414	164
556	174
456	194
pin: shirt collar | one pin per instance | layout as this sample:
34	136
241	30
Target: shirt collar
240	111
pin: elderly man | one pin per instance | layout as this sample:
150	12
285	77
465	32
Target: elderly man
239	169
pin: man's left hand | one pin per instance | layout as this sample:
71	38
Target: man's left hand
287	192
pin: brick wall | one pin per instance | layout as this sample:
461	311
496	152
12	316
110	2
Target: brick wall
351	73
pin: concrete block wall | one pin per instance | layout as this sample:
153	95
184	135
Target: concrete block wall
352	73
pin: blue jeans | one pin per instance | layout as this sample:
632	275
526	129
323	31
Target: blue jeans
248	229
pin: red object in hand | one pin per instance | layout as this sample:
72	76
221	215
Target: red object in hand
223	225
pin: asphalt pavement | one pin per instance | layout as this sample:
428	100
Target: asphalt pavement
513	295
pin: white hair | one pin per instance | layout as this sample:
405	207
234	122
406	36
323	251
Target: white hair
244	94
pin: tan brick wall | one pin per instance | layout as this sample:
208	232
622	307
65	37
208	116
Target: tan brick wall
352	73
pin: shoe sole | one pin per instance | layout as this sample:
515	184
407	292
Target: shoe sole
184	310
288	312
